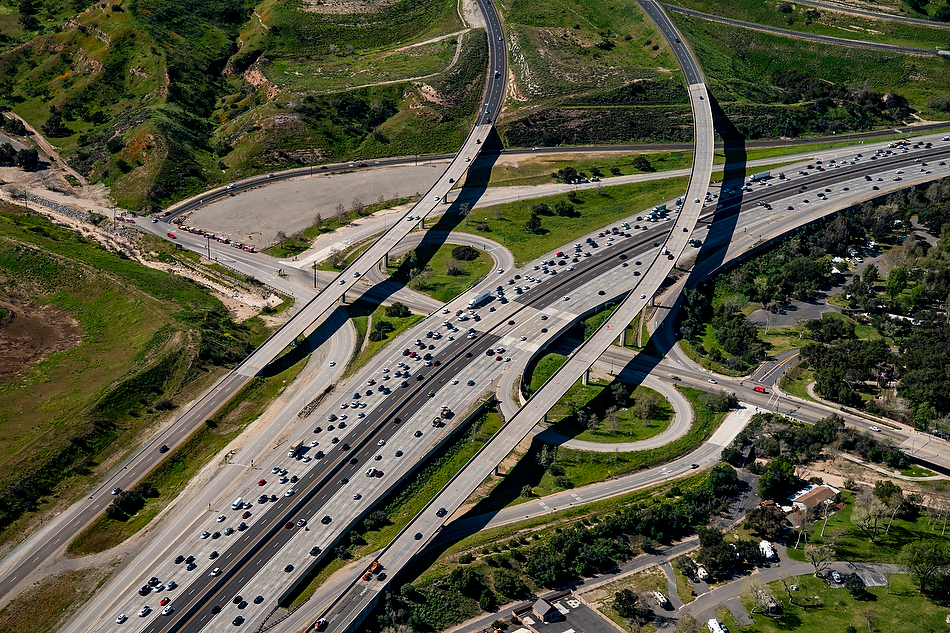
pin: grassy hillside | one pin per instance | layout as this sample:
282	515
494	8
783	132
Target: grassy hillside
771	85
144	337
590	72
160	99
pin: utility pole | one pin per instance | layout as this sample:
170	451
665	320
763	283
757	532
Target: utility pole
314	274
209	248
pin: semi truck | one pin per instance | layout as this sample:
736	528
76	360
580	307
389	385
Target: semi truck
480	298
762	175
292	452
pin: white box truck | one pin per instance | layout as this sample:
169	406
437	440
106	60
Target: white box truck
479	298
238	503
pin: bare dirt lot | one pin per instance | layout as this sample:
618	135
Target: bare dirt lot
254	217
30	332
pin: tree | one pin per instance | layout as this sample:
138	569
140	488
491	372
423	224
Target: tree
778	481
687	624
855	586
281	237
765	521
398	310
759	593
647	406
533	225
925	560
628	605
867	512
722	480
641	163
540	208
619	391
819	556
28	159
464	253
896	282
509	584
565	209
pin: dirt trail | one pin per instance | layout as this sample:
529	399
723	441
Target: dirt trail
49	150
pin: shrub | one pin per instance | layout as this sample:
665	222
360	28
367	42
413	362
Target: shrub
464	253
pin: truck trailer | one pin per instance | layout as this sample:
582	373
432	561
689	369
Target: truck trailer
292	452
480	298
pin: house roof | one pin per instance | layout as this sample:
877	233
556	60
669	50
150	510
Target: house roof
815	496
542	606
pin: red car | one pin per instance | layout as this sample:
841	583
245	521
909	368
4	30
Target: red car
759	389
261	482
367	576
363	165
165	601
172	235
246	515
289	525
379	473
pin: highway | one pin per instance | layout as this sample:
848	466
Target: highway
349	609
214	398
57	534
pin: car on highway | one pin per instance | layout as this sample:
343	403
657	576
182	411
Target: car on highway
301	522
163	449
216	535
672	377
238	621
326	519
167	610
172	584
205	534
246	515
289	492
381	443
179	559
398	453
357	496
711	381
213	555
876	429
221	518
314	551
228	532
122	618
418	536
441	512
258	599
171	235
694	466
116	490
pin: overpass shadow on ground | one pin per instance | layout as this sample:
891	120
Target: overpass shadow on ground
452	215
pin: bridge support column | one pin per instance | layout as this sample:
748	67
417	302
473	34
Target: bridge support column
343	298
652	301
585	379
494	471
623	337
422	223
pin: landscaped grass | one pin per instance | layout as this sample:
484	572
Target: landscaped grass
174	473
819	608
917	471
649	580
855	545
401	508
597	209
434	260
626	428
795	382
364	355
581	468
542	368
537	170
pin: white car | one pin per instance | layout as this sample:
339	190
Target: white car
144	611
381	443
221	518
332	363
122	618
501	271
712	382
167	610
289	492
876	429
455	381
215	571
205	534
314	443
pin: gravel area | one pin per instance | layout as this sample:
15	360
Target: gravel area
254	217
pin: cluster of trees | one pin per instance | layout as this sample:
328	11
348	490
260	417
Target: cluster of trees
843	362
798	87
28	159
398	310
128	502
591	546
561	208
583	550
788	443
719	558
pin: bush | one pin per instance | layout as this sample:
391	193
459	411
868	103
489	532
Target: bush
398	310
466	558
464	253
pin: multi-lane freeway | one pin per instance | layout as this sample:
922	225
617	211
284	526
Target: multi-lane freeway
320	490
